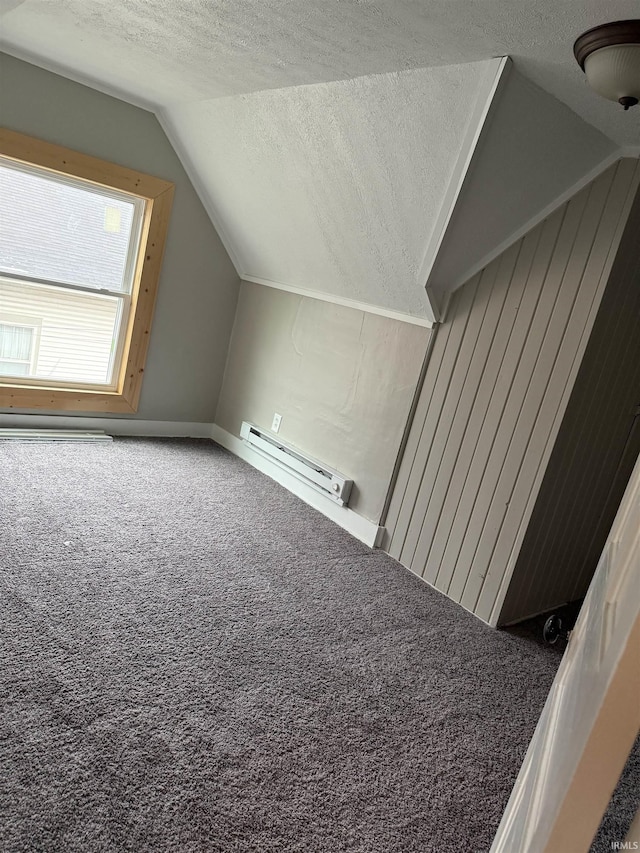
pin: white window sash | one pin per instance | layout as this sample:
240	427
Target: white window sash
123	296
117	354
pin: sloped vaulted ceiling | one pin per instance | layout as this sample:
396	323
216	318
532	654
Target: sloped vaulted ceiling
335	187
328	140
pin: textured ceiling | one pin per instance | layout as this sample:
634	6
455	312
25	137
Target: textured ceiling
335	188
162	51
325	137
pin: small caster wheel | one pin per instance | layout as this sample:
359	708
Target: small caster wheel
552	629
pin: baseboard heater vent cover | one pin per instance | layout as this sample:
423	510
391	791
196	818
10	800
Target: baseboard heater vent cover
327	481
18	434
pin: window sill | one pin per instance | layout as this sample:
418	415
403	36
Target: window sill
36	397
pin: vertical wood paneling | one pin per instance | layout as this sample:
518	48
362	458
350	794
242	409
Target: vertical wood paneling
495	389
449	410
459	467
597	444
465	402
441	367
499	387
557	350
440	336
562	376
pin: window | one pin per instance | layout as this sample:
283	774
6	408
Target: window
17	344
67	253
81	243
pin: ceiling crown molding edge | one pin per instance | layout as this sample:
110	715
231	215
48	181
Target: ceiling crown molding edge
82	79
344	301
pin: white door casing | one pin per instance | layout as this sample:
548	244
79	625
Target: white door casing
592	714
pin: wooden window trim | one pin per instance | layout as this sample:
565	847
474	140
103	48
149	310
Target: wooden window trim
158	196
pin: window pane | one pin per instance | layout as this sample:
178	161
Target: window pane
14	368
15	342
61	232
75	335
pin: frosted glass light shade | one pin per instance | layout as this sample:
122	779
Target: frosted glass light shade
614	72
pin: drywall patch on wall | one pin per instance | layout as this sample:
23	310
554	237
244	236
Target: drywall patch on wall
343	381
335	187
198	284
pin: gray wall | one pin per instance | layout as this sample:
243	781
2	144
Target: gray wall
532	150
198	285
343	381
498	381
594	454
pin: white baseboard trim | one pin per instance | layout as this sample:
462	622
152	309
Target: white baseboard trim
364	530
113	426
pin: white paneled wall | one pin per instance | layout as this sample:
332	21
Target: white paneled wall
496	387
593	456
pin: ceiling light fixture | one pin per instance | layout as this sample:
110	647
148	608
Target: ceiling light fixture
609	55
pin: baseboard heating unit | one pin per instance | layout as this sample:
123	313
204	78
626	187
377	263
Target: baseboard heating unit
325	480
20	434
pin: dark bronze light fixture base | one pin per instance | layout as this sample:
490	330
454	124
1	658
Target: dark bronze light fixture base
606	35
628	102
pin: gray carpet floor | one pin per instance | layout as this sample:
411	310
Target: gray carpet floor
194	660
